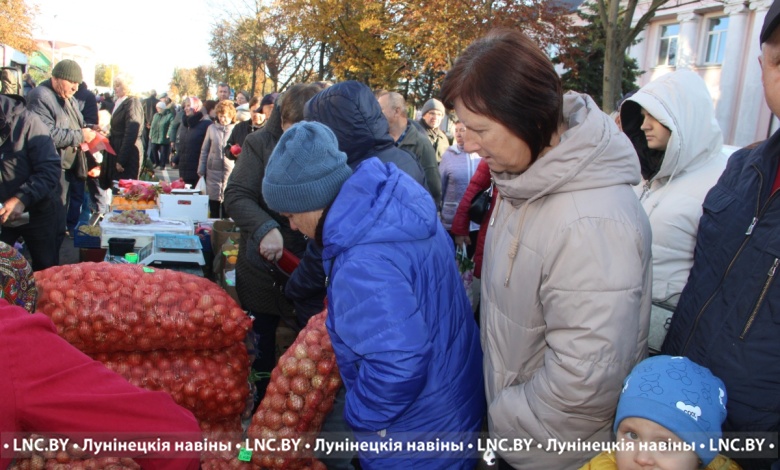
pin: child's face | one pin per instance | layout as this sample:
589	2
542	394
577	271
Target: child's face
640	430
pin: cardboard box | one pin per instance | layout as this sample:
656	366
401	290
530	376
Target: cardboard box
184	206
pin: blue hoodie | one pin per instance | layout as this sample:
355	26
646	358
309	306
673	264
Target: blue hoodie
402	329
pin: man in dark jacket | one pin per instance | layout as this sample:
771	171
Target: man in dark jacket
29	182
351	111
728	317
409	138
430	120
54	103
264	233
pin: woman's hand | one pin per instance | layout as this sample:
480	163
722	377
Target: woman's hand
119	168
461	239
271	246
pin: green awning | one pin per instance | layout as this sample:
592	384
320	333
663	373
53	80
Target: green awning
37	59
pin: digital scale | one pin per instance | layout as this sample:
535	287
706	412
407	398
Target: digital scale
172	247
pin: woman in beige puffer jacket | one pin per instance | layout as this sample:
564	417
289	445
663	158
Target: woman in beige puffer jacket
566	278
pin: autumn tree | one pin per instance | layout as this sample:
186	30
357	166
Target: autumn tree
204	77
617	18
221	48
184	82
584	57
17	21
248	48
105	73
288	55
433	33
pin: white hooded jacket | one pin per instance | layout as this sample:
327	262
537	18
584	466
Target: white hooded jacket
692	164
565	291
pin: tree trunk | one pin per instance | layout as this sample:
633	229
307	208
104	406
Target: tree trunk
612	78
322	61
254	77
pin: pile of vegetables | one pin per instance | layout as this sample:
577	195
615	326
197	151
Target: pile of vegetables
123	204
90	230
130	217
303	387
161	330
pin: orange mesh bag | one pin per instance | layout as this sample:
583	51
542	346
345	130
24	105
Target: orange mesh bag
105	307
301	393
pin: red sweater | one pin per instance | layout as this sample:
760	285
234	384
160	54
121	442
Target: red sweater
460	223
47	386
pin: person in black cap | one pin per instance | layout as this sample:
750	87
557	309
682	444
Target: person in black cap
53	101
728	317
267	104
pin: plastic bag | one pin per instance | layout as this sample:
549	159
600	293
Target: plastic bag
466	270
201	185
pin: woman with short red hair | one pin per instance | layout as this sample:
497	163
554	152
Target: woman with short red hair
214	165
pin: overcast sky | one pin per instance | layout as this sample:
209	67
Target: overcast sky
146	38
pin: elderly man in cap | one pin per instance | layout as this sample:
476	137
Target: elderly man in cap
54	103
728	317
430	119
405	340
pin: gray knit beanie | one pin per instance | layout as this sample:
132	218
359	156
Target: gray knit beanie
306	170
69	70
433	103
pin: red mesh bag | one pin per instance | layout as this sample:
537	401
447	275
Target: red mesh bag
104	307
70	459
211	384
301	393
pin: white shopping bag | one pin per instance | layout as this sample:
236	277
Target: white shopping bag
201	186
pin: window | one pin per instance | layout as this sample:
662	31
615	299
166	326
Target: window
667	53
716	40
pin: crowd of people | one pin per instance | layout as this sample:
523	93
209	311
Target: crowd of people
600	239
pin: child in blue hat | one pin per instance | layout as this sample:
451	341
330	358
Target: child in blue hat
670	411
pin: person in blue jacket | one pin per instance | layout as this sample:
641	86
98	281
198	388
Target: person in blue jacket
402	330
728	317
351	111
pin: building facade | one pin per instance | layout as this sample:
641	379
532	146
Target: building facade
720	41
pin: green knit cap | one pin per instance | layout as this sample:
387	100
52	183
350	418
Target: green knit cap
69	70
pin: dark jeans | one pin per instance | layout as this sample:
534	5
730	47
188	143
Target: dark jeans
335	428
264	327
66	178
40	234
76	195
217	210
160	153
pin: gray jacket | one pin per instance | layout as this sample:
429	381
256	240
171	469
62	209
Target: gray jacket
214	166
44	102
416	143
